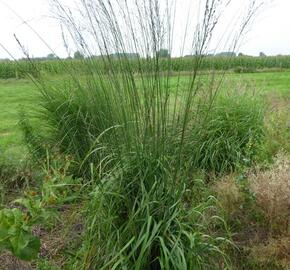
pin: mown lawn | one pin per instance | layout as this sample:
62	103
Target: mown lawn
17	95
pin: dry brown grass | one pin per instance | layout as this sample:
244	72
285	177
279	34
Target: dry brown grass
275	251
9	262
272	191
277	123
265	239
229	195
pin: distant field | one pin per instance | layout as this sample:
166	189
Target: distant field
238	64
17	94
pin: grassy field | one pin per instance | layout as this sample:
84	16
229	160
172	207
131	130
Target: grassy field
16	95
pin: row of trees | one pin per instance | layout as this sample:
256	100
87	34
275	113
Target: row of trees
162	53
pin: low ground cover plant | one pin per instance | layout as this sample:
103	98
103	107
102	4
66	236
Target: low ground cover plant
38	206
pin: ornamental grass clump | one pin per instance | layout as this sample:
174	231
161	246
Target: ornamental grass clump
227	133
128	128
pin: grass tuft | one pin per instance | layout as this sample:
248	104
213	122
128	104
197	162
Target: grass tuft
227	133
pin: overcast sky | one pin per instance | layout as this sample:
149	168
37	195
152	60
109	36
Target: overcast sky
269	33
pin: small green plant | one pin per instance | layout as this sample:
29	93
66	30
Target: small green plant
36	210
46	265
56	189
40	208
16	236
